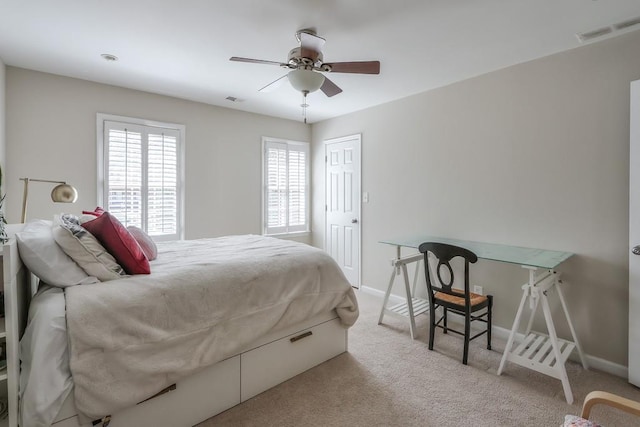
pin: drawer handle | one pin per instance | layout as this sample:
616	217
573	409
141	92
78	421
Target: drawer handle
172	387
301	336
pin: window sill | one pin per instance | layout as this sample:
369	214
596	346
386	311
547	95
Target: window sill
286	235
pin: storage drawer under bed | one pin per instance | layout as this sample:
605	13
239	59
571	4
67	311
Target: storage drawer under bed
270	364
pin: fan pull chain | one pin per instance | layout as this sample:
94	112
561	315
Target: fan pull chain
304	105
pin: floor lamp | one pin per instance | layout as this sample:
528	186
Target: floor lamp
61	193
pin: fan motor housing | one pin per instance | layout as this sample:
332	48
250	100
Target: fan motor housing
296	58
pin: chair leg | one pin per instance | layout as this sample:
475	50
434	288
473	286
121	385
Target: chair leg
467	334
445	319
432	327
489	308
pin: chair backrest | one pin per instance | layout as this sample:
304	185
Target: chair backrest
444	253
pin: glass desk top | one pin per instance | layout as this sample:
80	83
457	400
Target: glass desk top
532	257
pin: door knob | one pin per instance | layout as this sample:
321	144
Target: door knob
636	250
355	221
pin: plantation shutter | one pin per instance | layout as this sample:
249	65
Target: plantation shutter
297	191
286	195
142	177
276	197
162	203
124	191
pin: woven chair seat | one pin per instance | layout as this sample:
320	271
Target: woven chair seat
475	299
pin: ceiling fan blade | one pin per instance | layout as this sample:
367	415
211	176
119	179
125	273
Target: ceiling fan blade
274	84
329	88
256	61
359	67
310	45
311	41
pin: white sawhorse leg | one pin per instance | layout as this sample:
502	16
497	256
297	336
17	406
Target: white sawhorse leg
545	354
413	306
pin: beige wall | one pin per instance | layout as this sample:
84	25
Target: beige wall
532	155
3	143
51	130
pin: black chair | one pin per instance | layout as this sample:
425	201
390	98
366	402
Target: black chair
462	302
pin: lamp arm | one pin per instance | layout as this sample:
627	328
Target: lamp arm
25	194
42	180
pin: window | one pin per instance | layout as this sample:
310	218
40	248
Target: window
140	174
285	201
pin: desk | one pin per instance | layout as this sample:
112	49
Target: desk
537	351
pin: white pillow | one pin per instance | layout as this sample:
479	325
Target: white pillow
45	378
145	241
85	249
44	258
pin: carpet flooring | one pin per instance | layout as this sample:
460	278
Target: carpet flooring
388	379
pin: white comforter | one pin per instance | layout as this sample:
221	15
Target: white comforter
204	301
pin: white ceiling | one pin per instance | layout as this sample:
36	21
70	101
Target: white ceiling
182	48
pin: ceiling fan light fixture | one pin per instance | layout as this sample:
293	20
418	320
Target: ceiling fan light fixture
306	80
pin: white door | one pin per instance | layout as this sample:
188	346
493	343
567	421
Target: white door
342	229
634	237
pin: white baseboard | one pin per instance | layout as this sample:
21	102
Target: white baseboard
608	367
503	333
377	292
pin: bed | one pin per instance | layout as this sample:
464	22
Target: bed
217	322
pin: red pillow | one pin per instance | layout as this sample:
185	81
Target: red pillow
119	242
96	212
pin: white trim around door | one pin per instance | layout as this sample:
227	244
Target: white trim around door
343	207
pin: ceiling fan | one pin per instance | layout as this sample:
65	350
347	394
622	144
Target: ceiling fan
306	65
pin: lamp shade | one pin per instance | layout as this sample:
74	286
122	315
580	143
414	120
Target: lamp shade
306	80
64	193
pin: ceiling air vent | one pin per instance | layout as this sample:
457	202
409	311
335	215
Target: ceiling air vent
589	35
626	24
